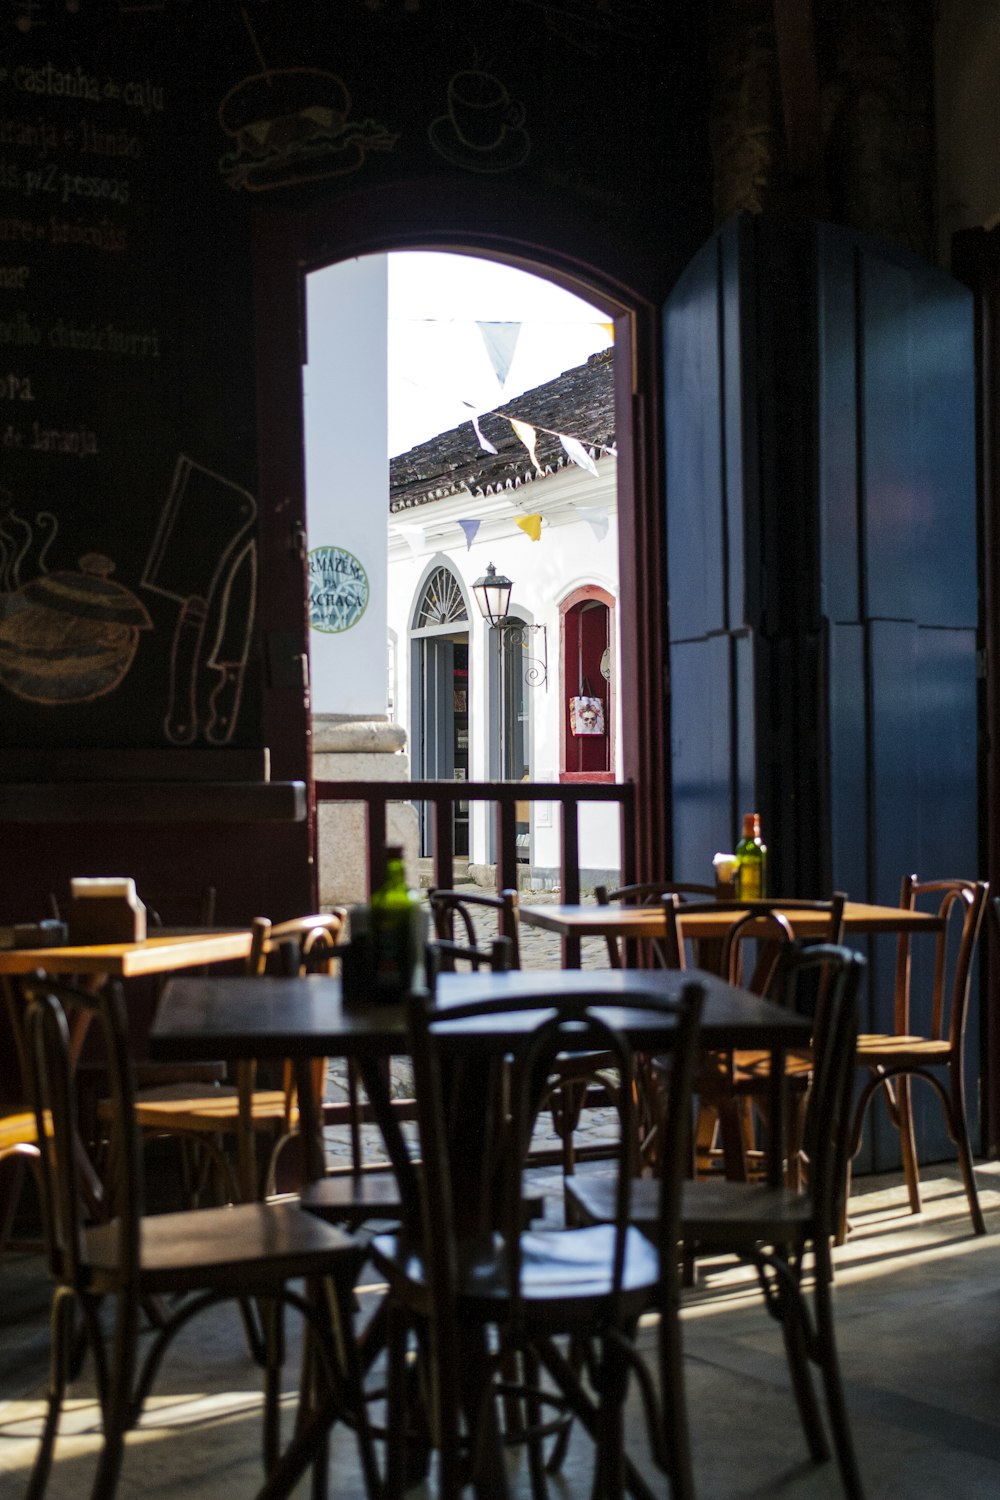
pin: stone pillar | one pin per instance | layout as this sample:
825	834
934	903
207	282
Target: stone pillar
346	749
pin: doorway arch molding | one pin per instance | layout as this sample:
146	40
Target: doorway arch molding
627	279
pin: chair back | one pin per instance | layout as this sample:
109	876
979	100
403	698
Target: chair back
446	957
960	906
556	1026
827	1127
300	945
54	1099
646	893
761	922
464	917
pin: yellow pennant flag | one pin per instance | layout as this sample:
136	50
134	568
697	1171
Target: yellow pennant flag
529	438
530	525
609	329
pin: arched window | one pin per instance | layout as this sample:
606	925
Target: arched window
587	670
441	602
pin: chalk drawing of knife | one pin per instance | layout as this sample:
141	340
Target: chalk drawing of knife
228	656
203	523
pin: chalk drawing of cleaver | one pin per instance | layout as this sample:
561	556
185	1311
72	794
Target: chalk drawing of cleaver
203	523
228	656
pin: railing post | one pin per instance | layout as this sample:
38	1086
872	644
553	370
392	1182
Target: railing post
506	826
376	838
443	825
569	873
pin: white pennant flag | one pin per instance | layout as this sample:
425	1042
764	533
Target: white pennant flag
484	443
596	517
578	453
413	536
500	340
528	436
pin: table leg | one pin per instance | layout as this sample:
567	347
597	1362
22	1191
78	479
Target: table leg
777	1107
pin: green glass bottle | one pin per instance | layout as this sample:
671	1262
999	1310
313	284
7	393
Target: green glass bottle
751	861
397	932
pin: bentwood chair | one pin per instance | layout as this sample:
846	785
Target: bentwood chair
931	1045
775	1229
472	1268
578	1078
731	1085
19	1145
104	1273
646	893
212	1117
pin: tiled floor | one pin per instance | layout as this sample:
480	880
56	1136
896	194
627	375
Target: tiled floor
918	1309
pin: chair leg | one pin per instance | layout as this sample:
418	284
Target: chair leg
272	1317
959	1131
793	1329
673	1404
397	1421
60	1357
908	1142
826	1352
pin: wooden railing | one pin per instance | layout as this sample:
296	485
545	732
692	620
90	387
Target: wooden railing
505	795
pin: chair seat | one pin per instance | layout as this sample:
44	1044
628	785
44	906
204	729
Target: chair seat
255	1243
349	1197
877	1047
755	1067
565	1274
17	1130
187	1107
711	1212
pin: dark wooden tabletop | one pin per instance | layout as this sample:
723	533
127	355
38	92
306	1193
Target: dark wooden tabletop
245	1016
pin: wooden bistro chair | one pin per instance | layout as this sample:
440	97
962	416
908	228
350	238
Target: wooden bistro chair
931	1046
577	1079
221	1123
647	893
250	1253
19	1145
732	1085
478	1284
776	1229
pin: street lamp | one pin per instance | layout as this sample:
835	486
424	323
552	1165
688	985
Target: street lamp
492	593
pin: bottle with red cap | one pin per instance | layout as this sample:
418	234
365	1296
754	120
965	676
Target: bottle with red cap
751	861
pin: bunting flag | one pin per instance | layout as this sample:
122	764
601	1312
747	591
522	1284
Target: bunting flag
577	452
484	443
500	340
528	436
596	517
470	528
413	536
609	329
530	525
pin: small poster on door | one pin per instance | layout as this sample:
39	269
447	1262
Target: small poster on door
586	716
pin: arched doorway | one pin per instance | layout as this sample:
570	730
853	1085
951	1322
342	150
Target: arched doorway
439	216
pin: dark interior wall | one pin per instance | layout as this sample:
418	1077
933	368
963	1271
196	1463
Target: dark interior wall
140	145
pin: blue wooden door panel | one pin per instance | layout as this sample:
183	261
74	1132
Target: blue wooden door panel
919	478
744	735
847	738
701	762
696	552
946	742
894	728
837	395
733	334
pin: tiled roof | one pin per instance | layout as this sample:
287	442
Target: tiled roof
579	403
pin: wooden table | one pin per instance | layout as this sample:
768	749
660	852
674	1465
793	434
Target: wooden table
302	1018
619	920
161	953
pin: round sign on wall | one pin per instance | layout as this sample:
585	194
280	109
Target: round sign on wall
338	589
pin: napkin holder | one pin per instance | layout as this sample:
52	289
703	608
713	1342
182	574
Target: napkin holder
105	910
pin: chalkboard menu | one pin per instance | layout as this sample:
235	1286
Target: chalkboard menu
128	566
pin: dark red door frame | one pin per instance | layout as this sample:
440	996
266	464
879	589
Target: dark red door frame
629	285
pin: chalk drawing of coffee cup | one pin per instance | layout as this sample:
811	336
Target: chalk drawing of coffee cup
483	129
